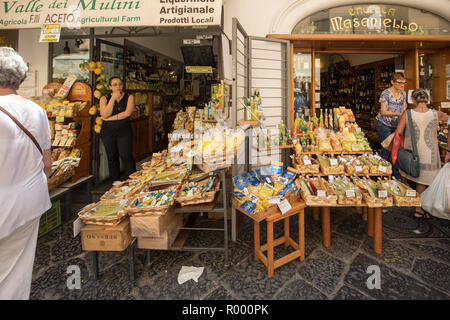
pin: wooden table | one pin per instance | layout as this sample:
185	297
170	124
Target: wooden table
374	224
298	206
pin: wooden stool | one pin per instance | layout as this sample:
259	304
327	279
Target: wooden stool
297	208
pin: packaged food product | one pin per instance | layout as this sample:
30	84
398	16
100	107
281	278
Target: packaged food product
290	173
276	169
325	145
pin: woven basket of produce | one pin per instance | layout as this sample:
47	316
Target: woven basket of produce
59	177
305	165
357	170
317	192
198	191
375	194
152	203
104	213
381	169
121	191
404	196
347	192
330	166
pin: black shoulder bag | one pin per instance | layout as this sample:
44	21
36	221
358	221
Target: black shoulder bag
409	160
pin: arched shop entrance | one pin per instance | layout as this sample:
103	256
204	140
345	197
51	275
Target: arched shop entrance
344	56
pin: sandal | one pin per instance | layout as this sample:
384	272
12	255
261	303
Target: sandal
422	215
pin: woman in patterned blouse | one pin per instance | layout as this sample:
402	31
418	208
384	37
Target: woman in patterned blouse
393	104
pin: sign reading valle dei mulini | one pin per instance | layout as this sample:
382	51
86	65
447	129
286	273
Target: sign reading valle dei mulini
18	14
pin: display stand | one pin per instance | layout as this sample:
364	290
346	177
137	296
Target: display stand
194	210
273	216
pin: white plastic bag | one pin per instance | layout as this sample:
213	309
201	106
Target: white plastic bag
436	198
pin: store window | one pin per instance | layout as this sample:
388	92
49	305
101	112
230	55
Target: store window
302	83
373	19
68	56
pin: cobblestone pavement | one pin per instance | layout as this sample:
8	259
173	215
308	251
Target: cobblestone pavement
415	264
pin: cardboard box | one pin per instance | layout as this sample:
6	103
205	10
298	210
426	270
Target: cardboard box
166	240
152	226
106	238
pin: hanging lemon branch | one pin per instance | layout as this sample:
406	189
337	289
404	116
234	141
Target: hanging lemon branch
101	89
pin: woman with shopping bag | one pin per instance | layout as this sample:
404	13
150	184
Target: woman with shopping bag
419	160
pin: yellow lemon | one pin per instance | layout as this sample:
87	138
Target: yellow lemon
98	121
92	64
99	64
97	94
99	86
93	110
97	128
98	71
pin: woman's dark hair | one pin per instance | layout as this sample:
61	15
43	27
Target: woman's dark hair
398	76
114	77
420	95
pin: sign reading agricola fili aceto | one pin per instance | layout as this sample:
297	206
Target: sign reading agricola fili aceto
19	14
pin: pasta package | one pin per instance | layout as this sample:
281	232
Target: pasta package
276	169
290	173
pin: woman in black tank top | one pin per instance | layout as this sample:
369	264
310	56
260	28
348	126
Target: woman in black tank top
116	133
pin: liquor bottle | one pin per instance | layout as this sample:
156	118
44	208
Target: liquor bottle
297	124
248	113
326	118
282	133
330	121
321	125
298	148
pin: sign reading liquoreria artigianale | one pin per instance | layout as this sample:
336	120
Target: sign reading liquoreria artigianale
19	14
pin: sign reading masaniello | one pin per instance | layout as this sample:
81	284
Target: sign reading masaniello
19	14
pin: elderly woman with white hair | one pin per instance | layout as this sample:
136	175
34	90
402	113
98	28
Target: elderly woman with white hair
25	162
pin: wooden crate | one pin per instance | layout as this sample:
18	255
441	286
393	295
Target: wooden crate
152	225
106	238
165	240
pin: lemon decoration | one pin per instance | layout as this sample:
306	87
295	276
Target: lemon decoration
97	94
97	128
98	121
92	110
99	86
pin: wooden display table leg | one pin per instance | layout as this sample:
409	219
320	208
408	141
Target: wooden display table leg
256	235
326	226
378	225
364	214
286	231
370	222
316	214
301	234
270	248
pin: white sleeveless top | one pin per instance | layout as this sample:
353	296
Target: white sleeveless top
23	185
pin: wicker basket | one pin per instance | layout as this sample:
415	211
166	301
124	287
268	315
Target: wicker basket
333	170
107	195
407	201
327	201
206	197
376	170
55	181
148	210
87	217
304	169
377	202
349	201
351	169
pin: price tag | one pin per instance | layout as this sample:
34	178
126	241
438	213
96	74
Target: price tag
284	206
78	224
382	194
274	200
59	119
333	162
321	193
307	162
411	193
358	168
382	169
350	193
